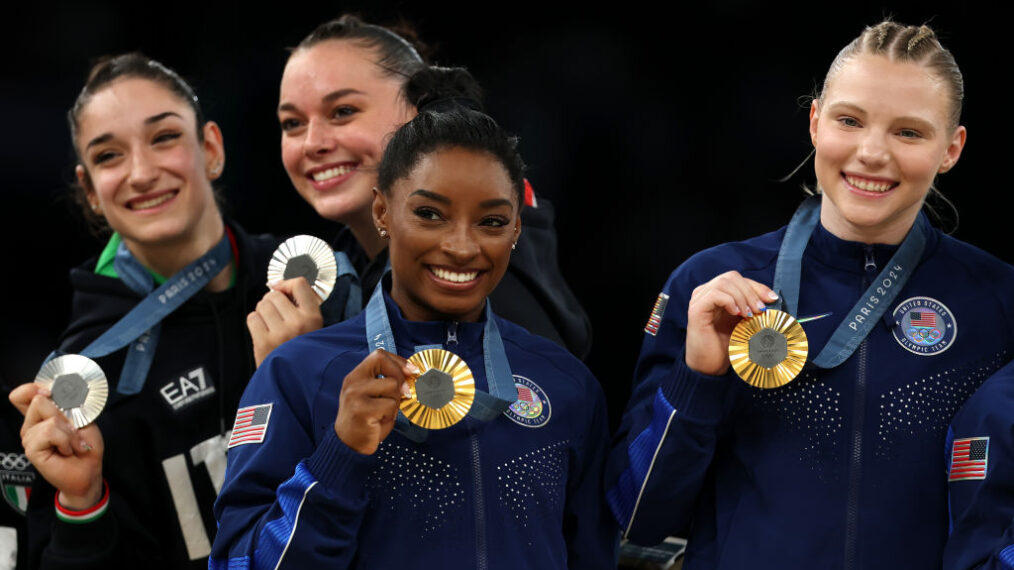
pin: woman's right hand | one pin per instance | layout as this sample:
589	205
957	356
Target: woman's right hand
290	309
70	459
368	403
715	309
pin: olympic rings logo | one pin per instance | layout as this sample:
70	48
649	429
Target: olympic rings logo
14	461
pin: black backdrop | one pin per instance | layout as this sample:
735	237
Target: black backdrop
655	132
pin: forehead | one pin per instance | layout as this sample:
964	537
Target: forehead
880	85
127	103
461	174
332	65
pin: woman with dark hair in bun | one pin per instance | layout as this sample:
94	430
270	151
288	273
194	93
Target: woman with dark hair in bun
495	457
136	487
342	95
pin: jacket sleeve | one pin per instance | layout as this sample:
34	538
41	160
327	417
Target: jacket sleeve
667	437
297	499
982	508
591	533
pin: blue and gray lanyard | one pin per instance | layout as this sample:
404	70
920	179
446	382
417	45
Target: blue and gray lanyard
486	406
141	326
873	303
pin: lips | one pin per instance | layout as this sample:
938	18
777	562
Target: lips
868	184
151	200
330	175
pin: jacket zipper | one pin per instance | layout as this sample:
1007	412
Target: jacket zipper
481	562
858	420
452	333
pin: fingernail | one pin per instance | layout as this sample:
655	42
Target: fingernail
45	392
772	295
761	307
749	313
412	368
274	283
406	391
85	446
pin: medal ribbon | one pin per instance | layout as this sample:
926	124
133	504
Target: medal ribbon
486	406
871	305
141	326
332	309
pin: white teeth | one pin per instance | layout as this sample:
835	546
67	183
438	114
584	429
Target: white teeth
153	202
331	173
869	185
452	276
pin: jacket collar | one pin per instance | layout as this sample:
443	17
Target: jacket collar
851	256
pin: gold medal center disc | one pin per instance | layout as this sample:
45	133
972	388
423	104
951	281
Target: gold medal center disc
77	386
768	350
442	394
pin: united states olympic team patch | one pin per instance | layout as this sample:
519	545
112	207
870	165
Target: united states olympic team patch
532	408
924	326
655	319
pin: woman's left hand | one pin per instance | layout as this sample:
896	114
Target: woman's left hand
290	309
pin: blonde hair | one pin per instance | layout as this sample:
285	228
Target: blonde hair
916	44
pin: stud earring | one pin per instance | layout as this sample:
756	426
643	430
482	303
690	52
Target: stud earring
95	207
217	168
382	232
514	245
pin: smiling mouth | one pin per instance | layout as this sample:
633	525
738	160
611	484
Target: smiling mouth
333	172
869	185
454	276
139	204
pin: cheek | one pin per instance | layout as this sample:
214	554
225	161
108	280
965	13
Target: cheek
291	156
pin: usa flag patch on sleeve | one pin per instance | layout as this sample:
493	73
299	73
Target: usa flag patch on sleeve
968	459
251	425
655	320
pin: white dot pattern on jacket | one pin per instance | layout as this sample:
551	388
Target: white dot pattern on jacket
534	483
427	488
926	405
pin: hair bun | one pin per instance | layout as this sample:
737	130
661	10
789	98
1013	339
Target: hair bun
442	89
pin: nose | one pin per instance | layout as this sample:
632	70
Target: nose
873	151
143	172
319	139
459	244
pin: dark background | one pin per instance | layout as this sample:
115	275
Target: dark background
654	133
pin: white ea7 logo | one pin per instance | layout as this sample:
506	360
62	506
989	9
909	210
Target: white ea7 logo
187	388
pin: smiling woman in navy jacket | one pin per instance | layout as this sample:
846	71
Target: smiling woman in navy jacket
842	467
317	477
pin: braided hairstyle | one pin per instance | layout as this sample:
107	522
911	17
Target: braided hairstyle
915	44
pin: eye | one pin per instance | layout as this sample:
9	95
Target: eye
909	134
847	121
289	124
427	213
166	136
494	221
343	112
103	156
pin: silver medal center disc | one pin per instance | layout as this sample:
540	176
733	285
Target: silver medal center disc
77	386
308	257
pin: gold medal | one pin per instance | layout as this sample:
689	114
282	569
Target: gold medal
768	350
77	386
308	257
442	394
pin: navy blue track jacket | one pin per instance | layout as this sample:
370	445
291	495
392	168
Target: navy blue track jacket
841	468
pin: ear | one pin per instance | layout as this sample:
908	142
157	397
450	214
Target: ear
86	183
379	209
214	150
517	229
814	116
953	152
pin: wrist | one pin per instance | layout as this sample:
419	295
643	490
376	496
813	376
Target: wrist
80	510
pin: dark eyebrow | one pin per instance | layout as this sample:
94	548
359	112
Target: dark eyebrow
156	118
496	202
432	196
330	97
149	121
98	140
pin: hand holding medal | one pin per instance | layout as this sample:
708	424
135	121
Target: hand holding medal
370	398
